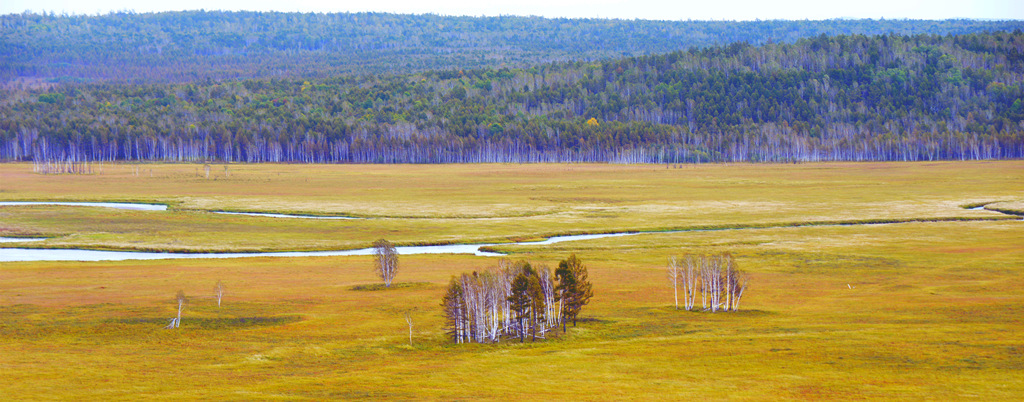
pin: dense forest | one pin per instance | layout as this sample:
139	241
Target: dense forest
195	45
843	97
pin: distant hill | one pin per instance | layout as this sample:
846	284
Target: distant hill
194	46
882	97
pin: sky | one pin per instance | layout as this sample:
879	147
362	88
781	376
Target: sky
633	9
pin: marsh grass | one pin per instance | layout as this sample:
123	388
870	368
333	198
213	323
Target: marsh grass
926	309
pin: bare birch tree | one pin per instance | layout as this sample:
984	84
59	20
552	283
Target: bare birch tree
674	276
181	299
713	277
737	283
385	261
689	283
218	291
547	286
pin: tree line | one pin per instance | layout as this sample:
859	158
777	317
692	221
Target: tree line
847	97
192	46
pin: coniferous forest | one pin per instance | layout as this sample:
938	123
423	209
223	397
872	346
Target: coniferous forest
383	88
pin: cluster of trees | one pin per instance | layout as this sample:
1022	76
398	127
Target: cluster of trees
716	278
192	46
885	97
65	165
515	300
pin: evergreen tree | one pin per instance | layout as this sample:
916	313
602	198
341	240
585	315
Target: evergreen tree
537	302
454	310
520	301
573	289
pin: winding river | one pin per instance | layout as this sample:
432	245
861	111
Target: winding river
39	254
42	254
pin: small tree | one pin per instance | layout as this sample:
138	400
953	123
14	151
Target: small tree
675	275
521	302
385	261
681	275
736	284
181	299
574	288
408	320
689	283
218	291
566	291
181	304
537	304
454	310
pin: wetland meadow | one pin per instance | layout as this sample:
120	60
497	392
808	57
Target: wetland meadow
866	281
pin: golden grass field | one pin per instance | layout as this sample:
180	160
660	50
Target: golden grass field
473	203
918	310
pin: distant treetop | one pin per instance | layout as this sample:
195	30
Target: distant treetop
192	46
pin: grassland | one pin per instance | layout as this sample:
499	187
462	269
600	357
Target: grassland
922	310
416	204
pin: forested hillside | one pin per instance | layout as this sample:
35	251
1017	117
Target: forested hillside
192	46
888	97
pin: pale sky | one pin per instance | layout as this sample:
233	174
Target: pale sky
642	9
